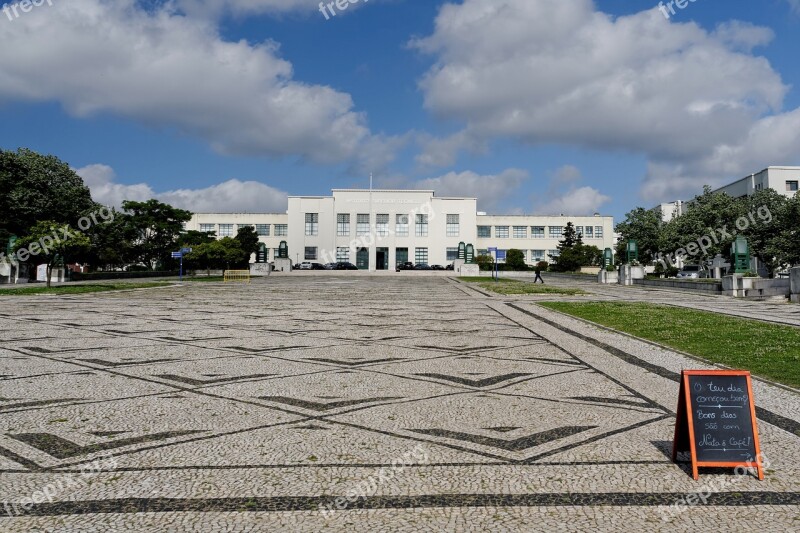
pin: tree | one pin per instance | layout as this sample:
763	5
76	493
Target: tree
35	187
112	242
570	253
485	262
785	243
219	254
51	243
247	237
515	260
645	227
196	238
158	226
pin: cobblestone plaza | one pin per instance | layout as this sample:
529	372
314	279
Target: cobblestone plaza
366	403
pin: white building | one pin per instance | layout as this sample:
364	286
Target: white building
381	228
782	179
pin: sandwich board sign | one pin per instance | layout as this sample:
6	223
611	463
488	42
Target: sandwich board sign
716	420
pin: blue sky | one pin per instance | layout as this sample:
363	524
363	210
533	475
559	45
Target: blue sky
533	106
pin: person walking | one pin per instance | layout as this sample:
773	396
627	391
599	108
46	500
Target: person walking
538	277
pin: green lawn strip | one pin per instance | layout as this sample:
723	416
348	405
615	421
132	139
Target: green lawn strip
768	350
508	287
81	289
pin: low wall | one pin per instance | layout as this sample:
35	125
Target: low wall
714	288
741	287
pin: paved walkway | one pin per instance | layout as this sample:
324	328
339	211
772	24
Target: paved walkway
367	404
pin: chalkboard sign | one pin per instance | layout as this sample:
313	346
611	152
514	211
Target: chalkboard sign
716	420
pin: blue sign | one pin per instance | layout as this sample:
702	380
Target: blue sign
500	255
177	255
186	250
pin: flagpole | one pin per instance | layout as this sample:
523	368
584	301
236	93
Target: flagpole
371	227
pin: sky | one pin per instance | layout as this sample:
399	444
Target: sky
532	106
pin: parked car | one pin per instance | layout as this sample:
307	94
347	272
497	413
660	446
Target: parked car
437	267
304	266
451	266
422	266
346	266
407	265
317	266
693	272
330	266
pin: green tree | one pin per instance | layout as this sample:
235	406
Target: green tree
221	254
111	242
50	243
35	187
485	262
247	237
515	260
196	238
158	227
570	254
784	246
645	227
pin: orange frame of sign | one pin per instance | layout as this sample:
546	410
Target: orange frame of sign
685	419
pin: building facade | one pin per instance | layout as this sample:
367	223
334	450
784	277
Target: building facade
379	229
784	180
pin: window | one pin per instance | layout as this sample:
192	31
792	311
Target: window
311	253
401	229
382	225
343	254
401	255
484	232
421	254
343	225
452	254
422	230
501	232
482	252
312	224
589	232
537	255
556	232
240	226
579	230
262	230
520	232
537	232
226	230
598	232
275	253
362	224
281	230
791	186
207	228
453	225
553	253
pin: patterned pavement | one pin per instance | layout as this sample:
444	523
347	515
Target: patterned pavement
327	403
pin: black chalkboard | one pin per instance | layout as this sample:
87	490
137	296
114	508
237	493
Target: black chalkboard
723	426
716	421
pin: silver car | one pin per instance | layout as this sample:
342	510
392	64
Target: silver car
693	272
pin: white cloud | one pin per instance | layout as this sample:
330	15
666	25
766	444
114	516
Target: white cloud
555	71
489	189
795	5
582	201
177	73
232	196
443	152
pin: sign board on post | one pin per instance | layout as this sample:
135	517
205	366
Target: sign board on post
716	420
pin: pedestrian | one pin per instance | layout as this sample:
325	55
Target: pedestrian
538	277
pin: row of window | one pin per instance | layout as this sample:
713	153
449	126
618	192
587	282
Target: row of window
421	254
263	230
537	232
382	225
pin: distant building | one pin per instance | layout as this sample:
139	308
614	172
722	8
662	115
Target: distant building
784	180
381	228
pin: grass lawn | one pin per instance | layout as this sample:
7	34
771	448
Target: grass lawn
768	350
509	287
80	289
